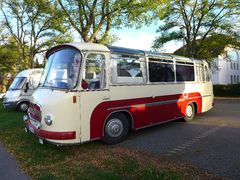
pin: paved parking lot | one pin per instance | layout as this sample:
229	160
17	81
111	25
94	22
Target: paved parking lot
211	141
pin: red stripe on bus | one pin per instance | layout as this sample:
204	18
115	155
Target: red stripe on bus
144	111
51	134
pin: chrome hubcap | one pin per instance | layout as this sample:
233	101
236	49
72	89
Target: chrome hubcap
114	128
24	107
189	111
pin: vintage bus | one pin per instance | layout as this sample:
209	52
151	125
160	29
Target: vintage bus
91	91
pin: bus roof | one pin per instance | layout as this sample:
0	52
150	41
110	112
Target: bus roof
122	50
81	47
116	49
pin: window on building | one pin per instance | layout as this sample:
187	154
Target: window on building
234	79
232	55
161	70
127	69
184	72
231	79
238	79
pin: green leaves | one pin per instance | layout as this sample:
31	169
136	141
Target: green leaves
197	20
33	24
166	37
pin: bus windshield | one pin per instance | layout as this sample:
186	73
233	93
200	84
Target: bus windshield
62	69
18	83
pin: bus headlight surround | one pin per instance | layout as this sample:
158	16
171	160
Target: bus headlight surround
48	120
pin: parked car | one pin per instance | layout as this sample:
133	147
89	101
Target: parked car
19	93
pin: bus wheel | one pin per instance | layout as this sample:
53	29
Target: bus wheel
23	106
116	129
190	112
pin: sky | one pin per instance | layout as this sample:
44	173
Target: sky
142	39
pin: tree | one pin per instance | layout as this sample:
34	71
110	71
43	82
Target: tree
195	20
212	46
8	56
94	19
34	25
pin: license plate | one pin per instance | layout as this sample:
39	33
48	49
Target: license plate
31	129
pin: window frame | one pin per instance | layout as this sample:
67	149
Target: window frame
141	59
185	63
104	78
161	61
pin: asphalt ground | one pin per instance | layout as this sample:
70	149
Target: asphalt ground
9	169
210	142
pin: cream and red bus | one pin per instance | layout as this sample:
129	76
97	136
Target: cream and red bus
92	91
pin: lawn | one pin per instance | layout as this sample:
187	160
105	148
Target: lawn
86	161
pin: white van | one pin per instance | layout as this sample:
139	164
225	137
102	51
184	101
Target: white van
19	93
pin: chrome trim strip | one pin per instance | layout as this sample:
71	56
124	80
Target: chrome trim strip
157	103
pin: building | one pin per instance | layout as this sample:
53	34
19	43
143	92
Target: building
226	68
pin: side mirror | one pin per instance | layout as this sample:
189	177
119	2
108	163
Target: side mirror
26	87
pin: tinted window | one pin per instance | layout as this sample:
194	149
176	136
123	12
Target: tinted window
160	72
184	73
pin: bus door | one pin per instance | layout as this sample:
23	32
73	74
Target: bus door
95	89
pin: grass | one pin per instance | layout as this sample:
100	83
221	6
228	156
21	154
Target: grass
87	161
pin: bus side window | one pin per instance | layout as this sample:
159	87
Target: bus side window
159	71
207	75
184	72
127	69
200	73
94	74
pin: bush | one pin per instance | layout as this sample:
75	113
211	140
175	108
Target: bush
232	90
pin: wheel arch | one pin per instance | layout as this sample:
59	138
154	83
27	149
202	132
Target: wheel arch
126	113
22	101
195	106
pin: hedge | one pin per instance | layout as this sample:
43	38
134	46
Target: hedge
232	90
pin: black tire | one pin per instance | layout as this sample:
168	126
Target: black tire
23	106
116	129
190	112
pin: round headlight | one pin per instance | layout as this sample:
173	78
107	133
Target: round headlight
48	120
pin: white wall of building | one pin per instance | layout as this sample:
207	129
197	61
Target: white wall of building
226	68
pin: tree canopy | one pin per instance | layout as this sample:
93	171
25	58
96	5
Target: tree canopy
194	21
93	19
212	46
33	25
